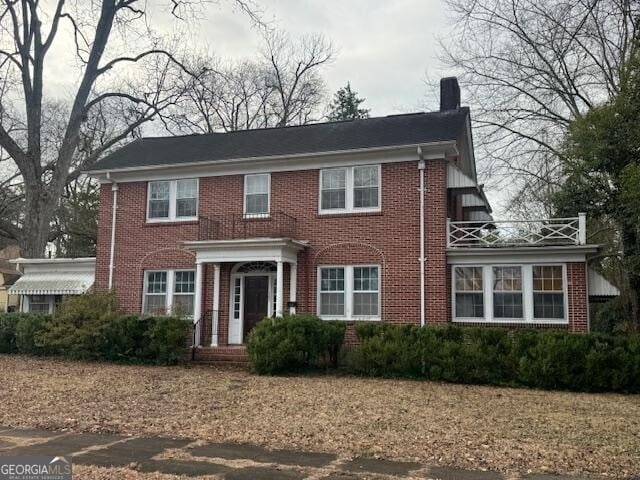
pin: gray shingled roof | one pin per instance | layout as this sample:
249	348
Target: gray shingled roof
394	130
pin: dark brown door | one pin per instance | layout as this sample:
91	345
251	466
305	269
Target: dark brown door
256	302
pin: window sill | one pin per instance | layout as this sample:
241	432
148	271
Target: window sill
157	223
356	213
507	322
256	216
352	320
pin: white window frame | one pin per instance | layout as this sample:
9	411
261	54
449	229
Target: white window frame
51	299
171	287
244	196
348	293
173	201
521	291
349	188
484	293
565	291
527	295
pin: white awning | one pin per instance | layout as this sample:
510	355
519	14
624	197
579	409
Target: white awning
53	283
600	286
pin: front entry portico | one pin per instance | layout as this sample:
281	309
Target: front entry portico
256	283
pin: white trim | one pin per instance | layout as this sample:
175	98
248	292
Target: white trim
348	293
170	292
278	163
349	189
51	302
293	286
279	289
244	196
216	305
238	323
250	250
173	201
519	255
527	295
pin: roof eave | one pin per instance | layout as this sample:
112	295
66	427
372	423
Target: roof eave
431	150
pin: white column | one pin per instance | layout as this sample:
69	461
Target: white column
279	288
293	285
216	305
197	301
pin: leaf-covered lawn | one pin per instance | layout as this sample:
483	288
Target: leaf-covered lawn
468	426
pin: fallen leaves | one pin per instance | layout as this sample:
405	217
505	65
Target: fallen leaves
468	426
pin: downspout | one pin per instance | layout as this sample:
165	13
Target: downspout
421	167
114	208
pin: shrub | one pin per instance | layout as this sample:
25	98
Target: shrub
8	324
387	350
29	329
540	359
294	343
89	327
165	340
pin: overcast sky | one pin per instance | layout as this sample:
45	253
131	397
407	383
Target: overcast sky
384	47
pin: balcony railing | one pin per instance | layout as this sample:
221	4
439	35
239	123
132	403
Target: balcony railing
238	226
555	231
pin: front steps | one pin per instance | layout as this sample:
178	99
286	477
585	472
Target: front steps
229	356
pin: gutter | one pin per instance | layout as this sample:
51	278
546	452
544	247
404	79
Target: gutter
114	208
421	167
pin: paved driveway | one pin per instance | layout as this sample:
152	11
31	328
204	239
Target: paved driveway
226	460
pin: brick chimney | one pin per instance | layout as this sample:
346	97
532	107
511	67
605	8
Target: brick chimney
449	94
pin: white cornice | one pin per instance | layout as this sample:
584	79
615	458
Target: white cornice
306	161
525	254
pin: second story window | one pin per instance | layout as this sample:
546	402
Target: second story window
256	195
173	200
350	189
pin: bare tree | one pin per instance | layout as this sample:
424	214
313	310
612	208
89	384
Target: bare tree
530	67
126	73
292	73
284	87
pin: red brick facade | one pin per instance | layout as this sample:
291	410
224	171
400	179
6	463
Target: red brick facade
389	238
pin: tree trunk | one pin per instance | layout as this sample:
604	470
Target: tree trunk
39	211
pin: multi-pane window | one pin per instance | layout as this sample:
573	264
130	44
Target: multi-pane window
159	199
507	292
333	189
169	291
469	300
183	292
351	292
186	197
173	200
548	291
256	194
349	189
510	293
39	304
366	292
332	292
156	292
365	187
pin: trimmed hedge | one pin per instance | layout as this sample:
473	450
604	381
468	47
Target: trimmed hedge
294	343
545	359
89	327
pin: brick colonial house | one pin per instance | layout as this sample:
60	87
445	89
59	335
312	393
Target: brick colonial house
379	219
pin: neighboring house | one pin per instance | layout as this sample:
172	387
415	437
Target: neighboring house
378	219
46	281
8	275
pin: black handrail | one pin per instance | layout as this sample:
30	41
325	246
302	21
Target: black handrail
239	226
